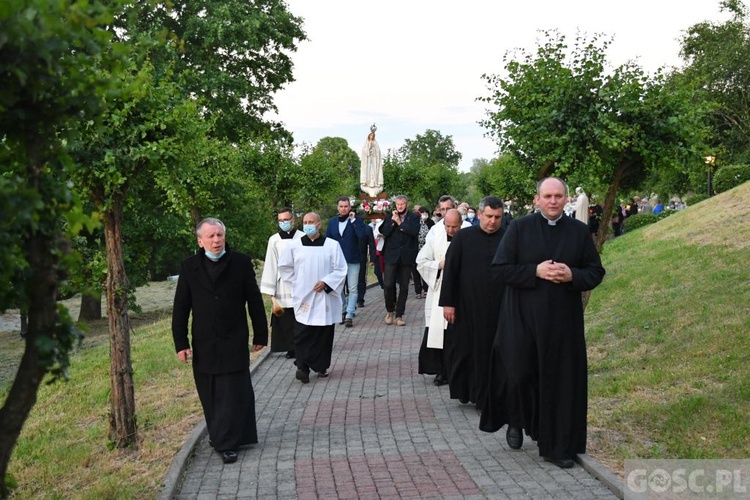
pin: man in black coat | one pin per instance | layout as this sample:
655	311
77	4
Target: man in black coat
216	284
538	370
401	231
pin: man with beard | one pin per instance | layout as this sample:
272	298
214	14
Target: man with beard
539	373
216	284
282	320
401	232
430	264
469	297
316	267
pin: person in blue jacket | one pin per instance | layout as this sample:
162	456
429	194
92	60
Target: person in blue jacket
348	229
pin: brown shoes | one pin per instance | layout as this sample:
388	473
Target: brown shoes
400	321
389	318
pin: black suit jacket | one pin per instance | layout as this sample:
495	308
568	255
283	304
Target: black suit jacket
219	331
401	240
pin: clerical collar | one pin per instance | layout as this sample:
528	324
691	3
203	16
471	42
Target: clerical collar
287	235
317	242
551	222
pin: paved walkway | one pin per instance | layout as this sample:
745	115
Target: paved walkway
373	429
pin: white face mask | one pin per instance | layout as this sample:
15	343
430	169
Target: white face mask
424	216
471	215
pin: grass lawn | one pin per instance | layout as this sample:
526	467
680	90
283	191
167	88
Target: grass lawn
668	336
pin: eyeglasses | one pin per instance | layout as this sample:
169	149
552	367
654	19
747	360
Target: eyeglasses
285	220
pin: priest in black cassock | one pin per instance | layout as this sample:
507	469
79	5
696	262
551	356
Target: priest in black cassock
469	297
539	373
216	284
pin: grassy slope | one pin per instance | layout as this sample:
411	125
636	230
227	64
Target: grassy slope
669	338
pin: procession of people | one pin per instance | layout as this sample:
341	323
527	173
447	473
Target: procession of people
503	311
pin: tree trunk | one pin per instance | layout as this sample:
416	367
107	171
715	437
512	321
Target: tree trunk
24	323
195	214
91	307
122	421
42	317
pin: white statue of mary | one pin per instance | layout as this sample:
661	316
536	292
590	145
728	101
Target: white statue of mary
371	173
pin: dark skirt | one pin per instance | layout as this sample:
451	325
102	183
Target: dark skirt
459	365
282	331
430	359
313	346
228	402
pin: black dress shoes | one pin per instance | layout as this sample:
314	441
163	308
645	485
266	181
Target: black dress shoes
302	376
360	304
439	380
229	457
323	374
563	463
514	436
290	355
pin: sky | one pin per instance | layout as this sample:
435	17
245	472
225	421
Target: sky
412	65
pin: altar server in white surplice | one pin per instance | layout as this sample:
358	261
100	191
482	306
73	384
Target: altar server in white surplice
430	262
316	267
282	320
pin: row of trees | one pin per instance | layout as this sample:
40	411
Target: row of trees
564	111
124	123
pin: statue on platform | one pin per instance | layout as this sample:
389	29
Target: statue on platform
371	173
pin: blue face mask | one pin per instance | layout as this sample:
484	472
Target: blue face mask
285	225
310	230
214	257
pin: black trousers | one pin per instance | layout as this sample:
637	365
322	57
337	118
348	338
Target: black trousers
396	273
419	284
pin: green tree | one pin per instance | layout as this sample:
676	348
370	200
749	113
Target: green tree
505	177
147	128
49	85
424	168
717	57
561	111
328	170
233	55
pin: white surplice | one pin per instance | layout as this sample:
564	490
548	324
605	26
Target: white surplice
270	281
428	265
439	227
304	266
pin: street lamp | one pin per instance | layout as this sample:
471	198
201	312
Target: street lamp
710	160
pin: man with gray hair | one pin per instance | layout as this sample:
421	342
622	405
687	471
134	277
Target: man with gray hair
401	232
217	284
445	203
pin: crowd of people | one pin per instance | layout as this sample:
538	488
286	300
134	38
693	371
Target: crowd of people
579	208
503	315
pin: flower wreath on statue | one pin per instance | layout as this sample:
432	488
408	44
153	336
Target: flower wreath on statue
379	206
